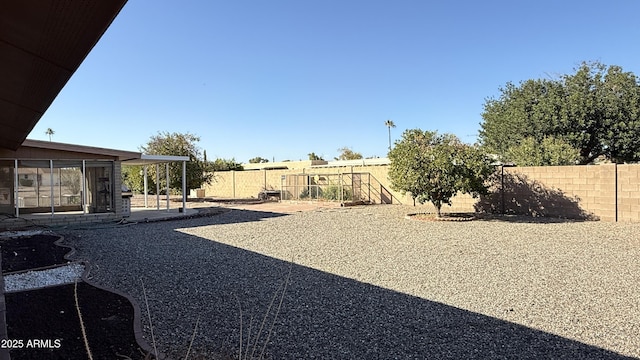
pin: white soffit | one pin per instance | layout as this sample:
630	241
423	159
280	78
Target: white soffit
146	159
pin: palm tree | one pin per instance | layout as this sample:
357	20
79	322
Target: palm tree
389	124
49	132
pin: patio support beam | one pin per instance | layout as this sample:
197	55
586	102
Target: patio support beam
184	186
146	186
16	194
51	186
166	165
84	200
157	187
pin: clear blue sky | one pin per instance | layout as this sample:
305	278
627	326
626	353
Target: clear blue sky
283	78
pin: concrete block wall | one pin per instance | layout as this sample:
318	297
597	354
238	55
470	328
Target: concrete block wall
222	185
245	184
249	183
628	193
564	191
607	192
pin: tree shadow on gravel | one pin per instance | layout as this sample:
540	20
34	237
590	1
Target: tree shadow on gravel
325	316
515	197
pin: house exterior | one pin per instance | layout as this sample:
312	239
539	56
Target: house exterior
50	177
56	179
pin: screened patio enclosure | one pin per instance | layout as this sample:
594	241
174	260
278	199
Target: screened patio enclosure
36	186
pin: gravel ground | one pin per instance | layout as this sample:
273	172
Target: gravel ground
366	283
65	274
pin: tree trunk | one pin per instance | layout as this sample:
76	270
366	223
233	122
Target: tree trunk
438	210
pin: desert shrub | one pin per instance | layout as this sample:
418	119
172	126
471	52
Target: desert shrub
314	192
332	192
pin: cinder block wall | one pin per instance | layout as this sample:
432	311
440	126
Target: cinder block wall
222	185
629	193
559	191
245	184
565	191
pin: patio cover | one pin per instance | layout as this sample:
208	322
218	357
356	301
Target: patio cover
146	160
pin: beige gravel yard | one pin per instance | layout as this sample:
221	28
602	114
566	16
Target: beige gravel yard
367	283
578	280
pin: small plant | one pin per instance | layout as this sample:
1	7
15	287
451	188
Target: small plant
282	289
313	192
26	182
82	328
146	301
332	192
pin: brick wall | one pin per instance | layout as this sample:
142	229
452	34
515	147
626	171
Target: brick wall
584	192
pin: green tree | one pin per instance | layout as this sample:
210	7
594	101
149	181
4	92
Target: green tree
433	167
258	160
132	177
389	124
225	165
550	151
178	144
313	156
348	154
596	111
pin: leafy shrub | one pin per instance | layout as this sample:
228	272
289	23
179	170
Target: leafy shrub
315	193
332	192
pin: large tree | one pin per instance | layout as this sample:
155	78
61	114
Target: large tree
258	160
178	144
549	152
224	165
434	167
348	154
314	156
596	111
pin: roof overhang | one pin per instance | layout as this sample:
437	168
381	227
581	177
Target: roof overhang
38	149
46	149
42	43
120	154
